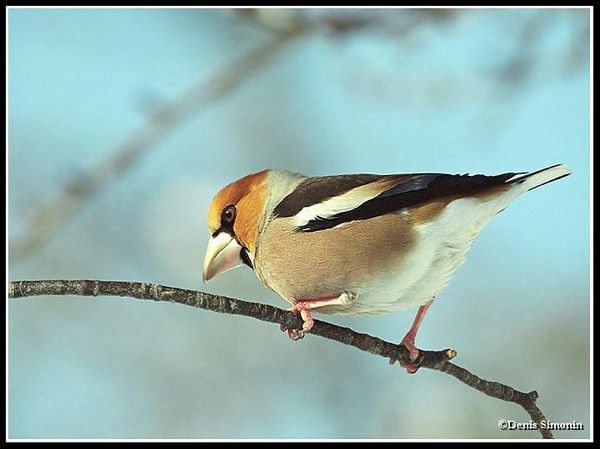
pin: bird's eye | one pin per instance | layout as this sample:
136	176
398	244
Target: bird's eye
228	214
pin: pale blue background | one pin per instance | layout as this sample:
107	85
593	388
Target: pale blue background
433	99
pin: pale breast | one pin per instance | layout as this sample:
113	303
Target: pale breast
348	258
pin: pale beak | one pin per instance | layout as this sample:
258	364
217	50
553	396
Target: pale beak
222	254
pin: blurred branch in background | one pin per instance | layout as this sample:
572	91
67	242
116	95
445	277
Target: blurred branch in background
579	46
286	25
494	75
436	360
76	193
342	22
517	69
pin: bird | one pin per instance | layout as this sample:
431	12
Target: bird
357	244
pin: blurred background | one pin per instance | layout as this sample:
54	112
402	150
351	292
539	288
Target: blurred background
123	124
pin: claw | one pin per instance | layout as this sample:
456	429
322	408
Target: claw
304	309
415	364
294	334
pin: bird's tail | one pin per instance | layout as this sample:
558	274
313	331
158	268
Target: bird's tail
538	178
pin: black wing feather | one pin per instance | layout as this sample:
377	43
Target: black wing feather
316	190
418	189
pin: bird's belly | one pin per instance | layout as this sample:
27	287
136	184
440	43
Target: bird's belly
323	264
417	281
408	283
417	265
414	282
441	248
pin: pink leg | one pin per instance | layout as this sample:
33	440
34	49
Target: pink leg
304	308
409	339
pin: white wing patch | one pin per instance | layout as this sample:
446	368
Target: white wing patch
341	203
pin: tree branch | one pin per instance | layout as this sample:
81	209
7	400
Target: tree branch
435	360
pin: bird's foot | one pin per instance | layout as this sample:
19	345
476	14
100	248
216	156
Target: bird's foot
413	351
409	341
435	359
302	307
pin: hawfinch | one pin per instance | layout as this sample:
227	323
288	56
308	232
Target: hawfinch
357	244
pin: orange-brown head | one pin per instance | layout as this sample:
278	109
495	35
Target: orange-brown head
234	217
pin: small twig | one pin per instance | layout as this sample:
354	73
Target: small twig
435	360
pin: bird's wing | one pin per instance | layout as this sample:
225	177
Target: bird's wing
325	202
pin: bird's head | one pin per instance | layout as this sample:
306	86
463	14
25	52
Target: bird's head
234	218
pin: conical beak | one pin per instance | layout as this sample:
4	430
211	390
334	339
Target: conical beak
222	254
